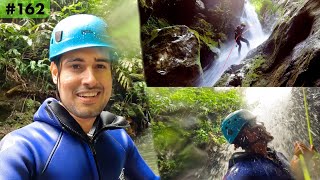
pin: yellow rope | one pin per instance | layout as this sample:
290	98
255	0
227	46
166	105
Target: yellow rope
307	116
304	168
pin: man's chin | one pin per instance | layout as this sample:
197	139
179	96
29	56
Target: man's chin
269	138
86	113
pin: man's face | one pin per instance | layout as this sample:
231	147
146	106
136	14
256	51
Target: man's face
257	132
85	81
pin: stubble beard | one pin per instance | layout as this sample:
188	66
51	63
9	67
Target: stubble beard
86	112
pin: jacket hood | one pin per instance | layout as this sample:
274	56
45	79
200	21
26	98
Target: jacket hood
45	114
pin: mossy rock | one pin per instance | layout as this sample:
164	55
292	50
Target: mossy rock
254	71
172	57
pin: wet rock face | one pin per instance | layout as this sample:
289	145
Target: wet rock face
208	55
237	7
235	80
293	49
171	58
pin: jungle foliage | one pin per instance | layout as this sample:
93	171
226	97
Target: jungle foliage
184	119
24	52
264	6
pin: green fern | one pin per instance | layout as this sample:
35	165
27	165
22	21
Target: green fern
125	69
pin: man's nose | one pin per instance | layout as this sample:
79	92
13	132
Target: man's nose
89	79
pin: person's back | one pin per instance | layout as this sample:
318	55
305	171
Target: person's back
238	31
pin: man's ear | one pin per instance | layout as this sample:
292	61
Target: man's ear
54	72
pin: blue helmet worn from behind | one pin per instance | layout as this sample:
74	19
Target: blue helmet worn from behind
79	31
232	125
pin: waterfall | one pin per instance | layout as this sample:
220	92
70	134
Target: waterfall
250	17
229	55
272	107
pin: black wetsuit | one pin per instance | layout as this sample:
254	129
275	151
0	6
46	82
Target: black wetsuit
238	37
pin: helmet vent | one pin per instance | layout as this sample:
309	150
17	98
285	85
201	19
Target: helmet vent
58	36
229	132
86	32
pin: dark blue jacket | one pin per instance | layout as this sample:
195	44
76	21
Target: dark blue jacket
55	147
249	166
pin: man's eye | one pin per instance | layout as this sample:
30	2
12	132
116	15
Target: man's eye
101	66
76	66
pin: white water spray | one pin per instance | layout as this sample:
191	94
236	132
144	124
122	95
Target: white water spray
229	55
272	107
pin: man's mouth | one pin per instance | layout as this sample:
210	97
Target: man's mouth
88	94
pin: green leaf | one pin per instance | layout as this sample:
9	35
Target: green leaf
32	65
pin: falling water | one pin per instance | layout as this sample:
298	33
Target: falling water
229	55
274	107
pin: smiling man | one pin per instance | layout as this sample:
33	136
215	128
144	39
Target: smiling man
73	138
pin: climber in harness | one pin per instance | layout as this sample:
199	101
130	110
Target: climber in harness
238	32
258	161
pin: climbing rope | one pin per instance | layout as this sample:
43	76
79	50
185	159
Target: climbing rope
305	171
307	116
304	168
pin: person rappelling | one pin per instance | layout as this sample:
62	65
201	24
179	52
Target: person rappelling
258	161
239	31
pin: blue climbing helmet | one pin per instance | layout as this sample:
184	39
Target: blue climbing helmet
232	125
79	31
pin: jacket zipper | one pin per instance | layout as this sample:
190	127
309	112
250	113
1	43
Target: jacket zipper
91	146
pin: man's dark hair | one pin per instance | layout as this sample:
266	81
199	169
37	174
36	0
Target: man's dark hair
58	64
241	140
